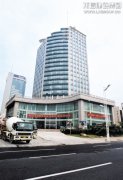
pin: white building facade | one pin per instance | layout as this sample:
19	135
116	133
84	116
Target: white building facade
50	113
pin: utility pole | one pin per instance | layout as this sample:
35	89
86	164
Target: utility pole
106	118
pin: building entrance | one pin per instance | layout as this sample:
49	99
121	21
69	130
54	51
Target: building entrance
40	124
50	124
54	124
61	123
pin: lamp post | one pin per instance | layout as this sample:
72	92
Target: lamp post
122	112
106	118
90	105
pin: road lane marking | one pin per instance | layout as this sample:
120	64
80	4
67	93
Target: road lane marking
68	172
57	155
119	148
28	150
102	145
52	155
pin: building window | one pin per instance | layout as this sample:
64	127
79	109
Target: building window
51	107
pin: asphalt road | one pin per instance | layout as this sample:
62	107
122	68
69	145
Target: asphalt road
81	162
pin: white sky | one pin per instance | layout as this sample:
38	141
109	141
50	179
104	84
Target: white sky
24	22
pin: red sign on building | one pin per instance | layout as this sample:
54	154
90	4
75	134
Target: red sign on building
40	116
95	115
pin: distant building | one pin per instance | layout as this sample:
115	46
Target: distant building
121	112
15	85
61	65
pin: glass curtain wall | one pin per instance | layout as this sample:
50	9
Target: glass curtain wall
50	115
95	113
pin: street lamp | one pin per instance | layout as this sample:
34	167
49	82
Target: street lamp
90	113
122	112
106	118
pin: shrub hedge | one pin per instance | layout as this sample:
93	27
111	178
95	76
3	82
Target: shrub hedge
99	130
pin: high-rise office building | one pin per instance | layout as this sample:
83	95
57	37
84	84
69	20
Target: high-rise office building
61	64
15	85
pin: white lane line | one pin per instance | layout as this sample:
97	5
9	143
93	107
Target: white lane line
119	148
68	172
28	150
52	156
36	157
102	145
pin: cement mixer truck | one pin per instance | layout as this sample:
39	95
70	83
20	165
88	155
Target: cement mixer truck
15	129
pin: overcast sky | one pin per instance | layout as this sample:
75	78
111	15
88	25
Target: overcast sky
24	22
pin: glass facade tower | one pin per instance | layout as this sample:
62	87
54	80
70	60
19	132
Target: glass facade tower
39	70
15	85
61	65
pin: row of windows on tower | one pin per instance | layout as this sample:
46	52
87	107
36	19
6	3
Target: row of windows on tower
74	64
53	62
60	33
62	68
54	39
56	87
57	44
57	72
65	40
56	92
57	55
61	44
79	71
55	82
77	50
56	77
56	52
56	64
76	33
77	45
77	58
56	49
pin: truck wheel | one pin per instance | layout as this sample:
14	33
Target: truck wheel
27	141
3	137
11	139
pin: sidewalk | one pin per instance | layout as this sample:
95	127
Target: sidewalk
55	137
